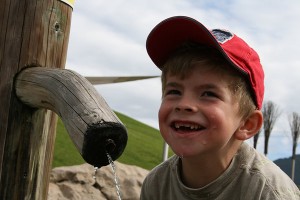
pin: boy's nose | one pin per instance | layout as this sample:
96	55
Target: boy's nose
187	105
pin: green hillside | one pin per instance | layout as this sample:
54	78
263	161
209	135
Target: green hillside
144	147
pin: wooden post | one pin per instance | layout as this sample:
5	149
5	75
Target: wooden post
32	33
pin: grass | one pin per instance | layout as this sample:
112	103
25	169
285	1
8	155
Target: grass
65	152
144	147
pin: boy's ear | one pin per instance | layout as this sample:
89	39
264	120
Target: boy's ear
250	126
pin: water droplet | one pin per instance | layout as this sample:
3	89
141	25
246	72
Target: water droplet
95	172
204	142
181	156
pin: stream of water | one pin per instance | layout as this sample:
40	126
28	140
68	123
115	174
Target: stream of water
113	167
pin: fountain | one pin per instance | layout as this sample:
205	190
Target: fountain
35	88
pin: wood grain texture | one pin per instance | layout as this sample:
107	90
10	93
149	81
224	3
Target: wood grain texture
87	117
32	32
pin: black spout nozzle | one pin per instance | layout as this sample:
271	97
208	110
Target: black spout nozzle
101	139
110	146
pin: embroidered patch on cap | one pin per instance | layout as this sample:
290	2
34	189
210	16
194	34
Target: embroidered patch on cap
222	36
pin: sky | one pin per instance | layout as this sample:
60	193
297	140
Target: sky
108	38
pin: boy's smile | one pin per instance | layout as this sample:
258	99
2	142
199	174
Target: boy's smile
186	126
199	114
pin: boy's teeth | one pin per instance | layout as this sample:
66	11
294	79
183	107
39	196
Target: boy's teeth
191	126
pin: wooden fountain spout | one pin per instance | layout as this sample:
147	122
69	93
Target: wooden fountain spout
92	125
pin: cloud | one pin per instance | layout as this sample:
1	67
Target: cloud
139	99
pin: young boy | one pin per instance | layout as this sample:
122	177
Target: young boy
213	87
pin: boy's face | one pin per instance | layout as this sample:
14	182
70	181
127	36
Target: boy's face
198	114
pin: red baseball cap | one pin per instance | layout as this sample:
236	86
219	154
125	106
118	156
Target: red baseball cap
172	32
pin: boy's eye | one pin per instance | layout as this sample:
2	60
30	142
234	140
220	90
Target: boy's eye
172	92
209	94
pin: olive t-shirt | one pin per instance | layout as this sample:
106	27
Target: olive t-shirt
250	176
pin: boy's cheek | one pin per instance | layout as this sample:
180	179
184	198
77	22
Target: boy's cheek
162	115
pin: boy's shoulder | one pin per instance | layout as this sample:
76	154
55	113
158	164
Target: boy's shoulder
264	174
250	159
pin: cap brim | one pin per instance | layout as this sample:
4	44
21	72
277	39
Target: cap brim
172	32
